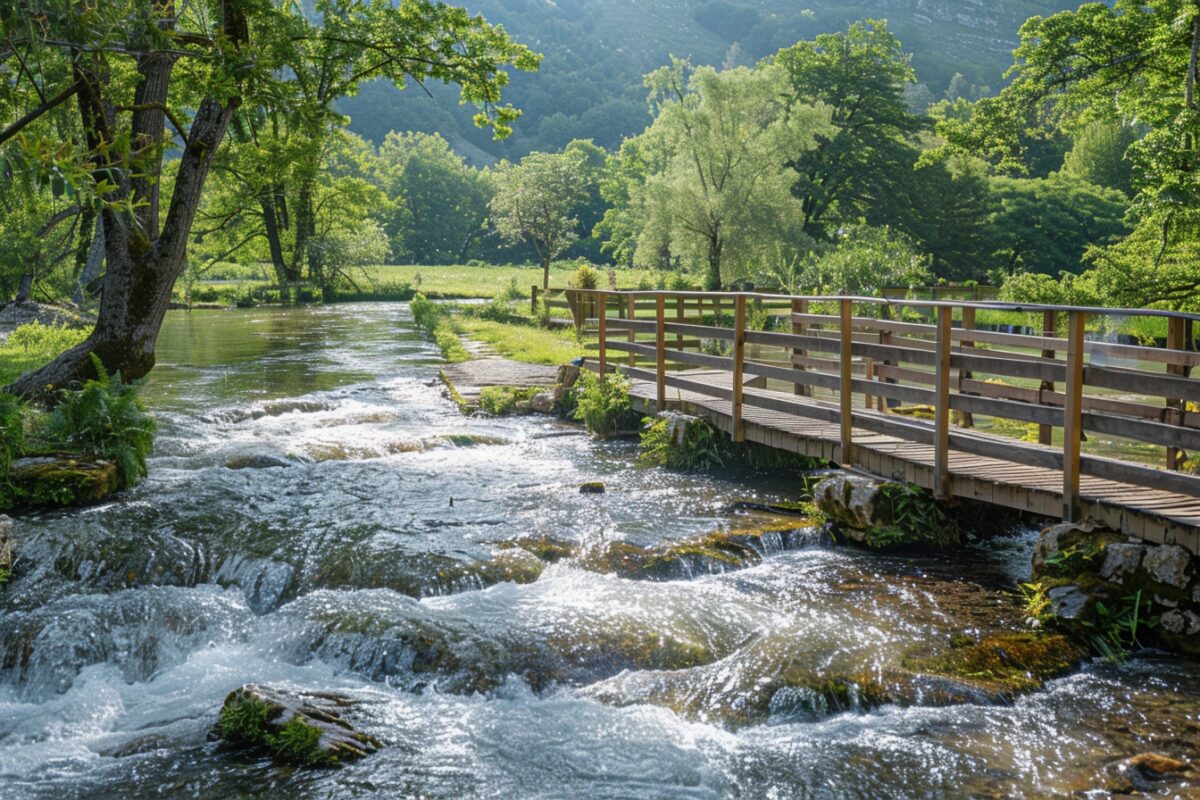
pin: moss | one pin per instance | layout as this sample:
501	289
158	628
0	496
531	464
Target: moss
247	721
591	487
59	482
502	401
917	411
1007	663
460	401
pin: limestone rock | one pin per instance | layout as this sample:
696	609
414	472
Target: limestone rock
257	461
1170	566
1181	623
591	487
62	480
1051	541
1121	561
849	501
295	727
1069	602
1141	772
567	375
542	402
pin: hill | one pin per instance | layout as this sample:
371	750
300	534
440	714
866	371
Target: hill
596	51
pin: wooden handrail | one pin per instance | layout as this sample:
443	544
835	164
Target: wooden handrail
963	375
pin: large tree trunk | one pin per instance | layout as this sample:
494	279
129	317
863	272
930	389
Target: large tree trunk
546	271
712	280
140	274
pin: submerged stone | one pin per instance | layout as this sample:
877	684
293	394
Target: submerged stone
54	481
304	728
1006	663
1142	772
591	487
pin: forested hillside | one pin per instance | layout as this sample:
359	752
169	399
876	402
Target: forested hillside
596	52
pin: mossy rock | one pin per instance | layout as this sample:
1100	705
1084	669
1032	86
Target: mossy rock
57	481
306	729
1006	663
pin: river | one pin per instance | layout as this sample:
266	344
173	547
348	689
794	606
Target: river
318	516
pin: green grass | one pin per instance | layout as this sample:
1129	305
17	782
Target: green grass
30	346
523	342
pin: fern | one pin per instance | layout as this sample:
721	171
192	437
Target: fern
106	418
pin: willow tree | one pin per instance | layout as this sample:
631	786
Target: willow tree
718	188
147	76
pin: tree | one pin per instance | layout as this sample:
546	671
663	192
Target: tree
1046	224
536	201
717	190
440	203
865	260
1131	63
861	75
133	66
1098	155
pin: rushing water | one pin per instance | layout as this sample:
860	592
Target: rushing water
318	517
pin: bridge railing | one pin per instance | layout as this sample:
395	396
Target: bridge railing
965	381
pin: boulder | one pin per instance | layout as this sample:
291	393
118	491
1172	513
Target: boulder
304	728
591	487
1121	561
62	481
567	375
851	502
542	403
1169	566
257	461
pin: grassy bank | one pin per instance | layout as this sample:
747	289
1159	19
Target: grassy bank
499	324
240	285
30	346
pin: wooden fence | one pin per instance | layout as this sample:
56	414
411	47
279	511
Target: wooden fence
858	361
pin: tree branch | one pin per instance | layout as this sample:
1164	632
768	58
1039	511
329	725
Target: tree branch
57	100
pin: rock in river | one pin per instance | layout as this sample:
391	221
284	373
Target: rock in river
294	727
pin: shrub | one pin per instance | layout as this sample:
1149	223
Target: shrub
584	278
695	446
603	405
513	292
498	310
501	401
425	313
107	419
681	282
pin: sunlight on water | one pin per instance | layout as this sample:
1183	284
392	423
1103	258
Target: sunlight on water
319	517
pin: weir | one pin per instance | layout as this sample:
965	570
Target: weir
1057	422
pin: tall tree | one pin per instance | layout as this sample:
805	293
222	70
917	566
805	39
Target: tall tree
717	188
860	74
133	66
1135	62
538	200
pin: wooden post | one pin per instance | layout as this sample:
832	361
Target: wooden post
679	318
941	405
660	344
533	298
630	313
602	335
1175	341
845	393
1049	328
798	328
739	357
968	323
1073	416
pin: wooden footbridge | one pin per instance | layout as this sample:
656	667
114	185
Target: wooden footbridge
1038	408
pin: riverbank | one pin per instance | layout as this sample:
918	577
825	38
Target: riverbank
318	517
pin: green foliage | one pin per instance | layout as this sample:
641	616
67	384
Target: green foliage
12	430
865	260
105	418
916	519
1098	155
860	74
585	278
603	406
732	124
691	445
1036	601
34	344
425	313
501	401
1114	631
247	722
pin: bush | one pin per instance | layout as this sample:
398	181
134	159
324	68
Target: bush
603	405
681	282
425	312
498	310
47	341
695	446
106	419
584	278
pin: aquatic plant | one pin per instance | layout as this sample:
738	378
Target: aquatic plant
679	443
916	518
501	401
247	721
603	406
105	418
